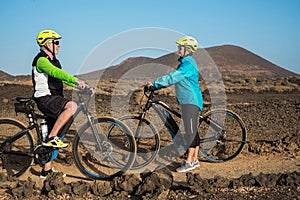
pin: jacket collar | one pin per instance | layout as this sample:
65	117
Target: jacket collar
185	59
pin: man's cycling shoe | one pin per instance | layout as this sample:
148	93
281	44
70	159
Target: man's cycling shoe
44	173
54	142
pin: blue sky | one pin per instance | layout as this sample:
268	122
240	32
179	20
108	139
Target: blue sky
268	28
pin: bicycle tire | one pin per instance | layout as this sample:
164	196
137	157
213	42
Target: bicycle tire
147	139
100	165
15	156
229	144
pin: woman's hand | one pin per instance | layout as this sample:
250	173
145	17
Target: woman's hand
148	84
148	87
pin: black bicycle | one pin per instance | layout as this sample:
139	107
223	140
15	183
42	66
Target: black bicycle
222	132
93	152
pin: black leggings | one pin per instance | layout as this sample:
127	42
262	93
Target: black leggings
190	117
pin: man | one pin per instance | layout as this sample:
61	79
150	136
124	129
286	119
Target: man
48	78
189	96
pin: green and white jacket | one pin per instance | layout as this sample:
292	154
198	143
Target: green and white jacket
48	76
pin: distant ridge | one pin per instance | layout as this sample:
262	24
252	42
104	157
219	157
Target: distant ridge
233	62
7	77
237	62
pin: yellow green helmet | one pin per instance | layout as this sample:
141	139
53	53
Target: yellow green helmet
46	36
188	42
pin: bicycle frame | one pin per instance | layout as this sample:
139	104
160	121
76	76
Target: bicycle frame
222	142
170	123
33	117
32	125
82	107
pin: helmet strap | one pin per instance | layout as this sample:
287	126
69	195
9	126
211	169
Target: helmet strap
186	50
52	52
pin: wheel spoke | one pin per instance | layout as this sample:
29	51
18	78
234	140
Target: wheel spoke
220	146
112	155
17	155
147	139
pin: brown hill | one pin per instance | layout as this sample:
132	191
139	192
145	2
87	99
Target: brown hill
5	76
232	61
116	71
236	62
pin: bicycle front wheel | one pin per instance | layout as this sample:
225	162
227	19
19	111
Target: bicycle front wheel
95	153
16	147
147	139
223	135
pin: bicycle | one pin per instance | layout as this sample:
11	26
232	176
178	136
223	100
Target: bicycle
94	154
222	132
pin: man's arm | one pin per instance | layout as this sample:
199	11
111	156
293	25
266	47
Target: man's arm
44	65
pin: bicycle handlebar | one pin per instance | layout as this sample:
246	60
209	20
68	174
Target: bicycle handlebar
149	89
87	91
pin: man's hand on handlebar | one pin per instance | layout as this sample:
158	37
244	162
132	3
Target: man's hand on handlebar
87	90
80	84
91	91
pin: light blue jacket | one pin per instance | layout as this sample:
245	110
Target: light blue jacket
185	79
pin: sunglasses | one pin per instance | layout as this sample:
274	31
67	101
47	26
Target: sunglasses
56	42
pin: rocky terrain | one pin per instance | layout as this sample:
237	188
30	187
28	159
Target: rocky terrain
268	101
268	168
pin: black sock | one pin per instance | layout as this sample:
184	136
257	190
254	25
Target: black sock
49	139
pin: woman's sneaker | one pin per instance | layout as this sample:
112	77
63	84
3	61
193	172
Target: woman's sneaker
196	163
186	166
54	142
44	173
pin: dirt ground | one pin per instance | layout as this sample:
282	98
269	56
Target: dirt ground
272	121
243	164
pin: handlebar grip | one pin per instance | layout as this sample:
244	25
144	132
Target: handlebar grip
150	88
86	90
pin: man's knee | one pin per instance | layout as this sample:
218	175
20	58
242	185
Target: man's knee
71	106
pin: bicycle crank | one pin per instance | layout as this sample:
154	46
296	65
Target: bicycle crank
42	154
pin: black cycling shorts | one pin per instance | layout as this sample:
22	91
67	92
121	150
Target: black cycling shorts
51	105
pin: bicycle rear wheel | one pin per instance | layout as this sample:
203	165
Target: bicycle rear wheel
223	135
147	139
97	160
16	147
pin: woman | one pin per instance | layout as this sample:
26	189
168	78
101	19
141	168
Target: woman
188	94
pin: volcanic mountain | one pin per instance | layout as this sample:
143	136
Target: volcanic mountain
233	62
